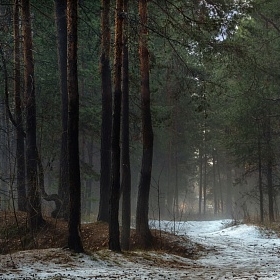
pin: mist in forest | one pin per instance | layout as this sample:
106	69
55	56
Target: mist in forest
213	107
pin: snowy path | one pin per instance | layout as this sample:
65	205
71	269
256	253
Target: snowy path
241	251
235	252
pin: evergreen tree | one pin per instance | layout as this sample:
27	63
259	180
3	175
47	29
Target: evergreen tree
35	218
114	241
142	211
74	238
106	127
63	186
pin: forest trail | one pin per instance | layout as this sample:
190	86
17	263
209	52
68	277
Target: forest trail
236	251
233	251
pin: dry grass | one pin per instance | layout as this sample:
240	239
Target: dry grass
14	236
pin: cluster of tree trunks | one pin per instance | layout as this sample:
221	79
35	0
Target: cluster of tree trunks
30	200
115	160
112	154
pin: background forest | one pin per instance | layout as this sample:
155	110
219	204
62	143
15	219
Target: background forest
214	100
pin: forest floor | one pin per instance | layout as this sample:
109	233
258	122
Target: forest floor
14	237
218	249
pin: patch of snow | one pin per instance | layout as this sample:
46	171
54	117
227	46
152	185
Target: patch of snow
235	252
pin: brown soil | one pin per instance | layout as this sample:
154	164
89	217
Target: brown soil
15	237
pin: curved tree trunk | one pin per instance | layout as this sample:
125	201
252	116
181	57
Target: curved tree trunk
142	211
41	179
74	238
63	187
106	127
17	122
35	218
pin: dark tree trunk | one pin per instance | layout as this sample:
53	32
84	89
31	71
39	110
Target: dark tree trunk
260	178
63	187
176	188
114	240
200	182
106	126
74	238
169	189
270	191
229	192
126	173
35	218
88	189
221	202
41	180
215	183
20	149
205	183
142	211
269	170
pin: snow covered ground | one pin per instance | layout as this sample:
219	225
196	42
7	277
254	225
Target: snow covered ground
235	252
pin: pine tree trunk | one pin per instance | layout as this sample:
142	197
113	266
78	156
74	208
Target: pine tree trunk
216	208
114	234
20	149
35	218
229	192
142	211
205	183
200	182
260	178
106	126
74	238
221	197
63	187
269	170
89	182
126	173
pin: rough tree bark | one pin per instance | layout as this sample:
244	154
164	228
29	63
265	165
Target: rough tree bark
20	149
63	187
114	234
74	238
126	173
106	126
142	211
35	218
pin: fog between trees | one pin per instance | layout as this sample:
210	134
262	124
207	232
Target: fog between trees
204	72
